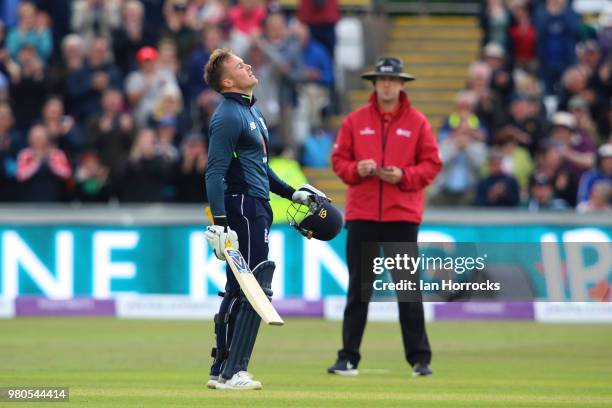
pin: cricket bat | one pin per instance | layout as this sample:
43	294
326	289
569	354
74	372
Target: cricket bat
249	285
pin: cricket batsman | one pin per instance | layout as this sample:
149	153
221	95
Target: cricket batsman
238	184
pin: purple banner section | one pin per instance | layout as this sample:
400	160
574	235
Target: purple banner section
484	311
299	307
79	306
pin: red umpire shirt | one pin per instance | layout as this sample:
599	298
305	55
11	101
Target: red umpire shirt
403	139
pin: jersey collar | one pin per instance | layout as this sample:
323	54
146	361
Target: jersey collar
241	98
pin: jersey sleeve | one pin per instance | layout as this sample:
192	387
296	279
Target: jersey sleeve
224	132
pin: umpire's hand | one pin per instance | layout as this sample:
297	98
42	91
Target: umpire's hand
366	168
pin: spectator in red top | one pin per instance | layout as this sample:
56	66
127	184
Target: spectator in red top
321	17
247	19
42	169
523	40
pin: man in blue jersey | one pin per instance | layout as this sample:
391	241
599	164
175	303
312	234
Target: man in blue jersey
238	185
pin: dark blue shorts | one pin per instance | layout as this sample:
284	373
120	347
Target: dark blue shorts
251	219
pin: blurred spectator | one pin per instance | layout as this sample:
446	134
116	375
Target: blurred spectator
463	116
498	189
8	12
210	39
206	13
557	25
600	199
576	149
72	60
168	59
575	81
542	195
190	176
285	54
55	15
523	39
167	115
463	153
144	86
145	172
502	83
602	85
321	17
525	120
131	36
9	146
494	21
92	179
589	57
268	93
550	163
479	81
42	170
87	84
314	90
247	19
110	133
31	33
579	107
317	149
95	18
603	172
61	129
206	104
177	28
516	159
605	30
27	90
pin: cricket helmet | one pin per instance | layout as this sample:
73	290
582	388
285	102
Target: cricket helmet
319	220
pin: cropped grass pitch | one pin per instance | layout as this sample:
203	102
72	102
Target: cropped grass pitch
125	363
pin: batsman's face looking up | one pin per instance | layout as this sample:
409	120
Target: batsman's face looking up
238	76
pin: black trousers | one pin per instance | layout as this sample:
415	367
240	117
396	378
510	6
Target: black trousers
411	316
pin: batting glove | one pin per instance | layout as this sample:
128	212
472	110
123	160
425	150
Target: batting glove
306	194
219	237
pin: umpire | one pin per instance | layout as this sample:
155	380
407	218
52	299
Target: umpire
386	152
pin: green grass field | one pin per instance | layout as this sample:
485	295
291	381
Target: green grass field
125	363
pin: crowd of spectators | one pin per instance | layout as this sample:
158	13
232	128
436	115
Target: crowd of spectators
104	100
532	128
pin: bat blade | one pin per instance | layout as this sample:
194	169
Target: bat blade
251	288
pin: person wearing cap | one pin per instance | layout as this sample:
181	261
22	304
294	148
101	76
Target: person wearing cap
144	86
494	55
603	172
542	195
386	153
577	150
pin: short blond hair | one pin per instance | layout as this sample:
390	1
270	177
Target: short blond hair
214	68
